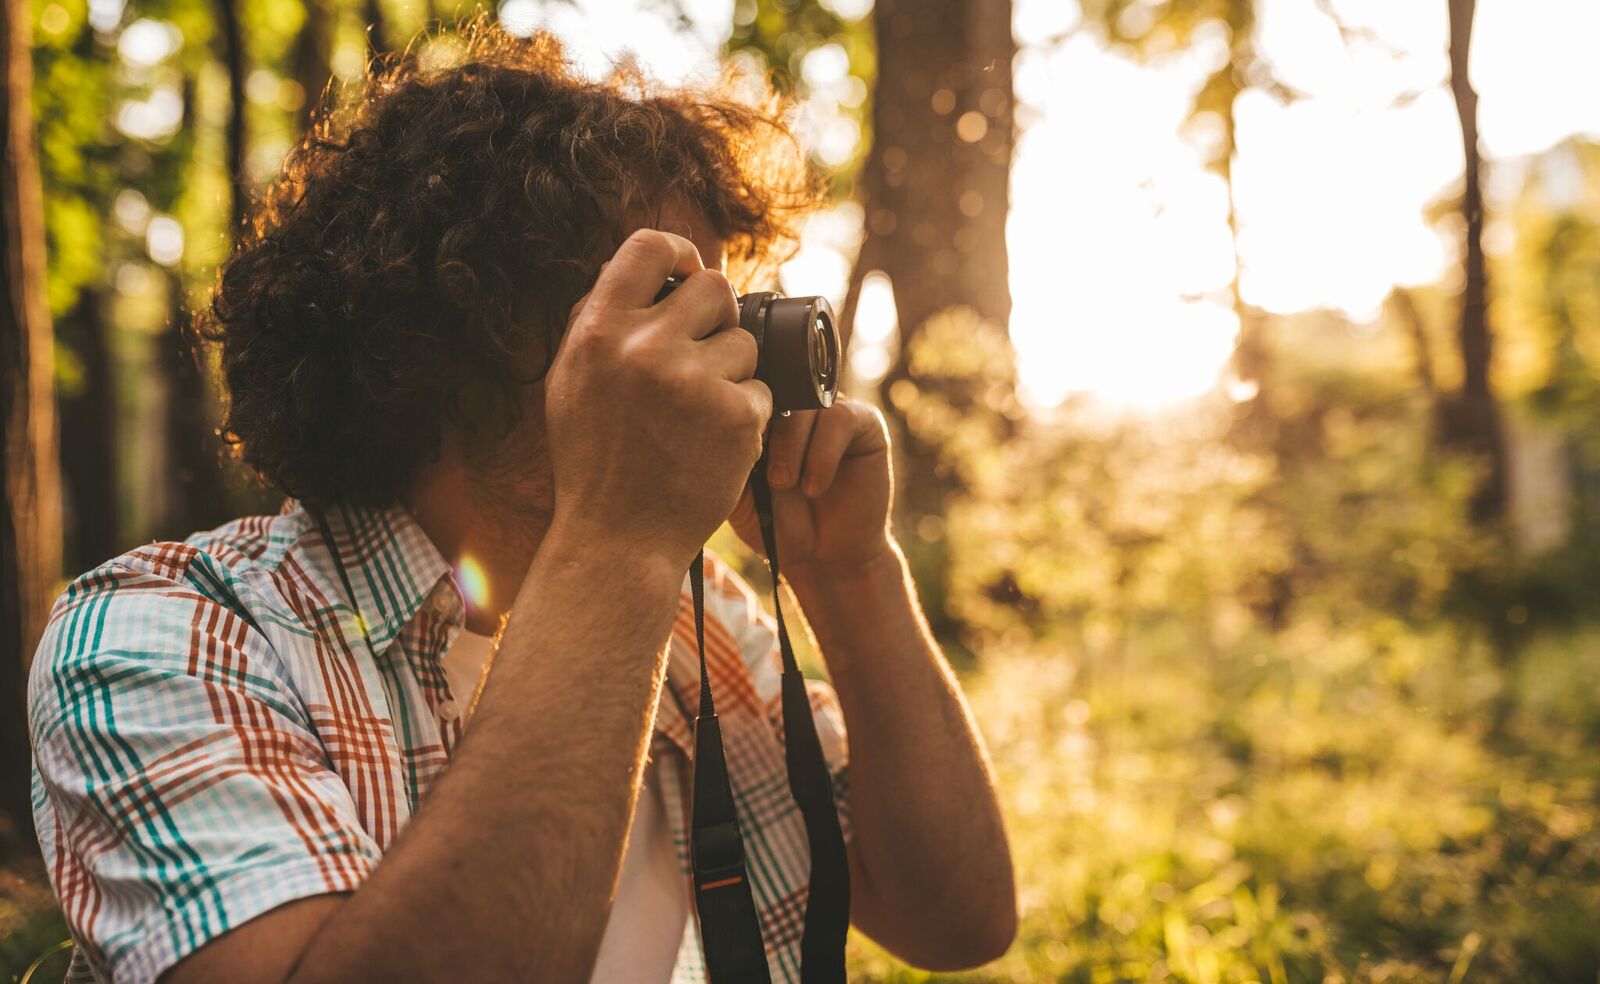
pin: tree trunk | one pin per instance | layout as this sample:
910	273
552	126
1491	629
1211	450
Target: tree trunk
230	43
89	459
1422	350
936	194
937	178
30	531
377	27
313	54
200	499
1475	421
1252	354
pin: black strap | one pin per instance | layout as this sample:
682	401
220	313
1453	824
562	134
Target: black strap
729	926
725	924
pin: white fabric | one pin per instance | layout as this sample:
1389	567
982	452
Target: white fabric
651	910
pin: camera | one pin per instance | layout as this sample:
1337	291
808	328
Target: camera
798	345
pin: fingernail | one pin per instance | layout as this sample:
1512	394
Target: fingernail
813	489
778	477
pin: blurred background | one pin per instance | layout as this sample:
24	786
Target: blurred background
1241	359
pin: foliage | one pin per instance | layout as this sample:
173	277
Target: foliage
779	36
1249	709
30	926
1314	806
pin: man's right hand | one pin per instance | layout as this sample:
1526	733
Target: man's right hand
653	417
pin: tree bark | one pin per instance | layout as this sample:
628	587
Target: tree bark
30	531
936	193
377	27
230	44
1475	420
936	198
1422	350
200	499
313	55
89	458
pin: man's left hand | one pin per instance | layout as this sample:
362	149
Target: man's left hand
832	483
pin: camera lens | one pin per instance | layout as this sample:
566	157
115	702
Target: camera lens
824	362
797	343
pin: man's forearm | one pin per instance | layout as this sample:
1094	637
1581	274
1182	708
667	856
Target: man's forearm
929	840
509	867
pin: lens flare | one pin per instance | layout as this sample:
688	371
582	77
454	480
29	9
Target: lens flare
474	583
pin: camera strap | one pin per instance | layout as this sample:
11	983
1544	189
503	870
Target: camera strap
730	928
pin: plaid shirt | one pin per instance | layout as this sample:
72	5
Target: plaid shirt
213	739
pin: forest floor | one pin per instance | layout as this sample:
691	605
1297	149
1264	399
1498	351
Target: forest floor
1318	806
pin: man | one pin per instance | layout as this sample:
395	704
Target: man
288	749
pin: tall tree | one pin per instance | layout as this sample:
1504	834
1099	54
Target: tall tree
377	26
30	530
313	54
1473	419
89	414
199	498
230	50
935	192
80	160
936	182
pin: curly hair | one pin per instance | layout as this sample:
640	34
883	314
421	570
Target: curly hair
426	240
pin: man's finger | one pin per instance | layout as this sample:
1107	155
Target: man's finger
831	438
786	448
703	304
732	352
760	398
577	308
643	262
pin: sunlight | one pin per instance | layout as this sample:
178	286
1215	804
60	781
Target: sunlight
473	581
875	325
1120	251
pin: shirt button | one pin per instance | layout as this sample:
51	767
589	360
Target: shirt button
449	710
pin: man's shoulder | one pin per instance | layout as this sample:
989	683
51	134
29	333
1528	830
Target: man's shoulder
213	562
258	543
144	609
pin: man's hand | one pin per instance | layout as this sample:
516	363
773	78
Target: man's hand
831	488
930	870
653	416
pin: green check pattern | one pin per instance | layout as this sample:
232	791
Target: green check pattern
212	737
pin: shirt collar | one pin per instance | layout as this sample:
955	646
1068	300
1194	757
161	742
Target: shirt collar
394	570
392	566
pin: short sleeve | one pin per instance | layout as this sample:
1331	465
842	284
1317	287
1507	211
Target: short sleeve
731	601
180	790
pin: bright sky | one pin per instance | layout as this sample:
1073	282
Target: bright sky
1119	247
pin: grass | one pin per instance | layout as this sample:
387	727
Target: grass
1323	806
30	926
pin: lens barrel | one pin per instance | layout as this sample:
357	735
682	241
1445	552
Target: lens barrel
798	342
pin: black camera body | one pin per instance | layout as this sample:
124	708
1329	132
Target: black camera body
798	342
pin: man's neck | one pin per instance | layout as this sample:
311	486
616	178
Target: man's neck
489	545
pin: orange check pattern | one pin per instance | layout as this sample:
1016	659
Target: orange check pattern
212	738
